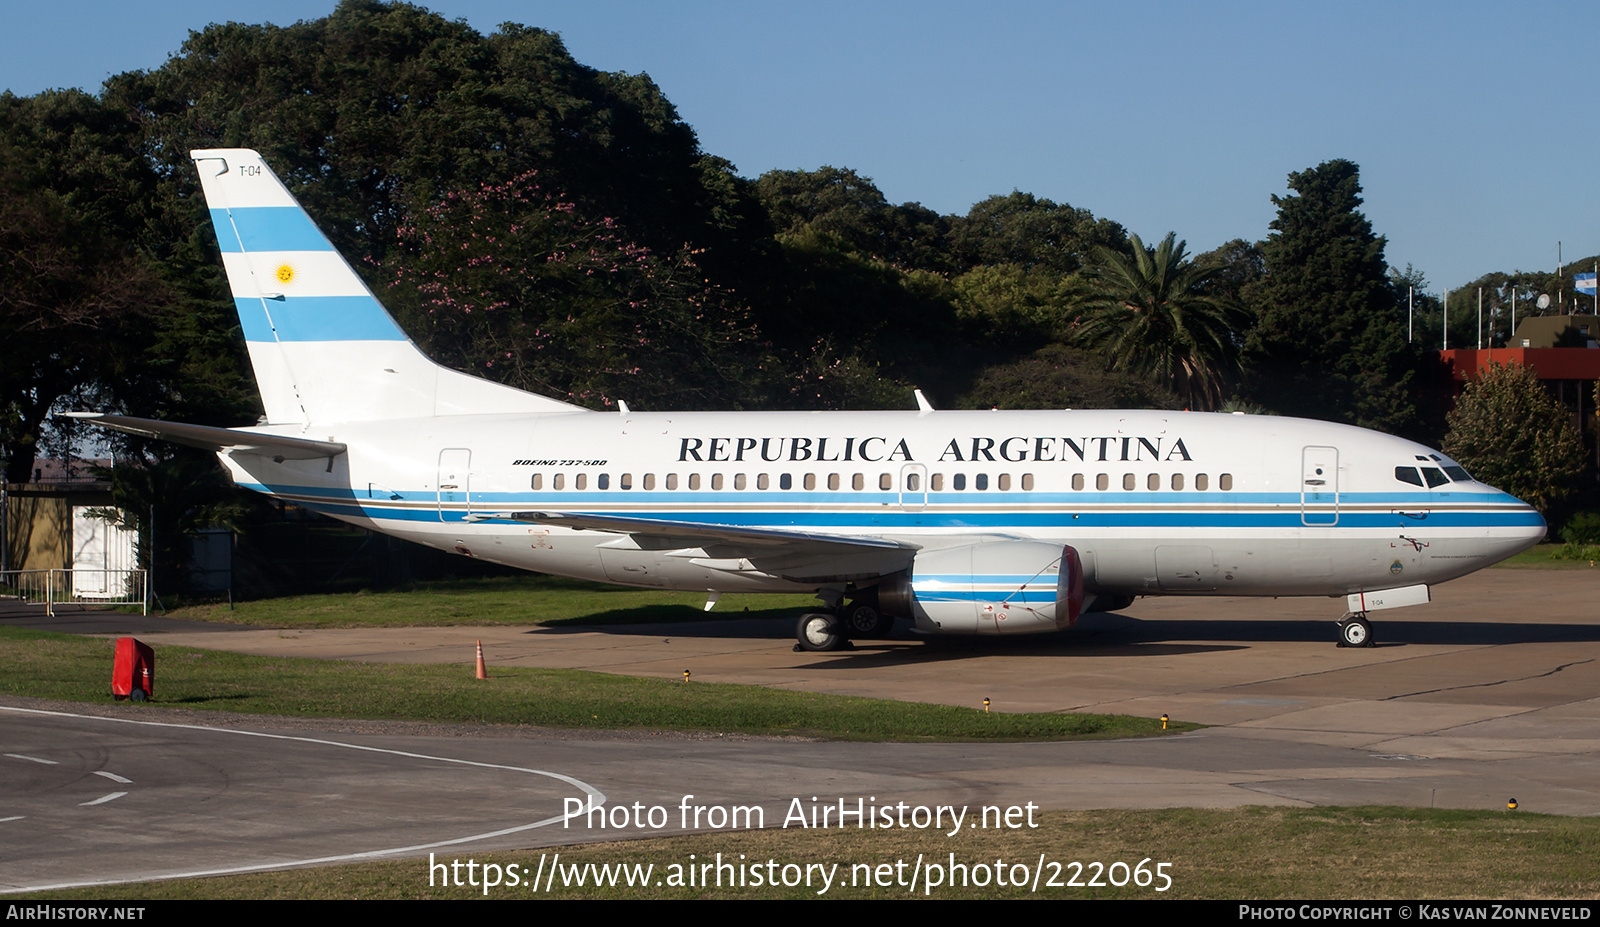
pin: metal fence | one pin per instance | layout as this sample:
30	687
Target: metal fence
76	587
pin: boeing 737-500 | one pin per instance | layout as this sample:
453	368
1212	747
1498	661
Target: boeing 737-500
961	522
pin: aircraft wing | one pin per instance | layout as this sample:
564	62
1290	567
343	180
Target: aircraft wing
216	439
699	532
796	555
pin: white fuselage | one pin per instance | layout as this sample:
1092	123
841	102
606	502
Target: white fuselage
1154	502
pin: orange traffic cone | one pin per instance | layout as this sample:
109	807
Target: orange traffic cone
482	672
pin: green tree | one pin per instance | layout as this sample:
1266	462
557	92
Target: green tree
1509	433
516	284
376	110
842	205
1032	232
74	306
1060	377
1151	312
1239	264
1329	341
1007	304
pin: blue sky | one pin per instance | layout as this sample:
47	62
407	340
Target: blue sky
1471	121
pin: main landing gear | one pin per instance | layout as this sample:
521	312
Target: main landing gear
834	629
820	632
1355	630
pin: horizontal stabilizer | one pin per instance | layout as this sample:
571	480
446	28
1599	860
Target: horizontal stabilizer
215	439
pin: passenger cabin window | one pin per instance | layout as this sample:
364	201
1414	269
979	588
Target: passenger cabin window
738	481
1177	481
649	481
1153	482
1129	481
981	481
913	482
833	481
885	482
1004	482
557	481
1027	482
672	481
716	481
625	481
958	482
784	482
811	481
1077	481
694	481
538	481
938	482
858	482
1201	482
1102	482
603	481
1225	482
581	481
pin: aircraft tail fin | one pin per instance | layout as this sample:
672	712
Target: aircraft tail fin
323	348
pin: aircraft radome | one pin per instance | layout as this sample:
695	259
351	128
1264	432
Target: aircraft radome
962	522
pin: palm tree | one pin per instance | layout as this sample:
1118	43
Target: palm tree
1152	312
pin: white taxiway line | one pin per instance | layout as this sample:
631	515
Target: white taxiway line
596	799
113	777
102	799
21	756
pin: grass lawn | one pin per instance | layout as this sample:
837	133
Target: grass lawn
523	600
72	668
1554	556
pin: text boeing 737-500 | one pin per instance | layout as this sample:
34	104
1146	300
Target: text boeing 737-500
961	522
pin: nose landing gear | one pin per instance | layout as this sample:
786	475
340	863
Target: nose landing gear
1355	630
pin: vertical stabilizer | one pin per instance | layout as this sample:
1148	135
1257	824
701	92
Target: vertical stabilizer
323	348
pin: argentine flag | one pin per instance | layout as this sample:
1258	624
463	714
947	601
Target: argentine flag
1585	283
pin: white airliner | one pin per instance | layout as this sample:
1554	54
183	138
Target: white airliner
962	522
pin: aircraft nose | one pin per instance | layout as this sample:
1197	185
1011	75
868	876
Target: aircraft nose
1527	527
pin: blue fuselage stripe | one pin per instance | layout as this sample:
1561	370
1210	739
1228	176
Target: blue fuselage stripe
1283	511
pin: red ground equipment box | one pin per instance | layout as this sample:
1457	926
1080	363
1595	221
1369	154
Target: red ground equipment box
133	675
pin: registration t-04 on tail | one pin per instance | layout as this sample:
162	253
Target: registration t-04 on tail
961	522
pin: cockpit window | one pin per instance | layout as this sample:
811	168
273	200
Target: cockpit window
1408	475
1458	474
1434	476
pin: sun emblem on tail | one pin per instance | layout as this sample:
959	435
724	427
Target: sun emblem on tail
285	274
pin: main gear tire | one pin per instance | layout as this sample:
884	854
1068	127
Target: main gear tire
820	632
865	622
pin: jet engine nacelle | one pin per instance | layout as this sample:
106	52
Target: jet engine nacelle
993	587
